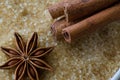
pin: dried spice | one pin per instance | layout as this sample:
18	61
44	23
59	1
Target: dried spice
90	24
81	17
58	25
84	8
27	58
57	9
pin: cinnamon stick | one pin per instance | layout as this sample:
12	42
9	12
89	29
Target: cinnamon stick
56	28
90	24
82	8
57	9
58	25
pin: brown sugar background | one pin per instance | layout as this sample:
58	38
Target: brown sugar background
93	57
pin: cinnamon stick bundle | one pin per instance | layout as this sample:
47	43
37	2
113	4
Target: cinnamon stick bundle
82	8
90	24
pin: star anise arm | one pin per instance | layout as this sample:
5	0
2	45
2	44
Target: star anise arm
32	72
12	62
19	42
10	52
39	52
32	43
40	64
20	71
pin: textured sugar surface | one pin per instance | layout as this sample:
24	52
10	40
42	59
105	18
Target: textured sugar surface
93	57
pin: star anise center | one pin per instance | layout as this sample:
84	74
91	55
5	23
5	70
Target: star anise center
26	58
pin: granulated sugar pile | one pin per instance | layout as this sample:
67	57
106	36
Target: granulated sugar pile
93	57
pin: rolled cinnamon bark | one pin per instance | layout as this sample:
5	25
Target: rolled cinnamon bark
58	25
81	8
90	24
57	9
56	28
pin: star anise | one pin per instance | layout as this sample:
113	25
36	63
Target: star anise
27	58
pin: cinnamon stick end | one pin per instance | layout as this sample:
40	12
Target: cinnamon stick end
66	36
